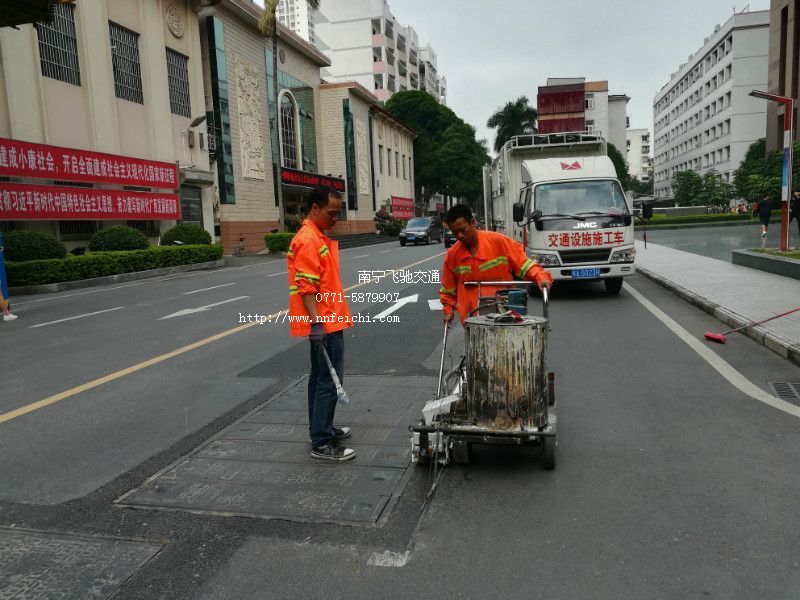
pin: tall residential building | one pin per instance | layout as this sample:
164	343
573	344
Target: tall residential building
784	67
703	118
574	104
638	151
367	45
298	17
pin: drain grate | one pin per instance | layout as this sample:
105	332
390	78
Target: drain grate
786	390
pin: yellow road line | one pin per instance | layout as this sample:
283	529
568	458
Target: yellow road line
29	408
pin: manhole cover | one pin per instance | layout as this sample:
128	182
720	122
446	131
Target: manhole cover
786	390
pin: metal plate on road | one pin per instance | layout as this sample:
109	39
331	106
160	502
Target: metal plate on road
260	466
36	565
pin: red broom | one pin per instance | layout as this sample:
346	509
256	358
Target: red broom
720	337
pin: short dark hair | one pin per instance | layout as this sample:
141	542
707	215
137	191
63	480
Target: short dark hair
319	196
458	211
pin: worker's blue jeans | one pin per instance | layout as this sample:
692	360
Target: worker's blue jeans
322	390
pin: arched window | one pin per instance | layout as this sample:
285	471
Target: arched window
289	130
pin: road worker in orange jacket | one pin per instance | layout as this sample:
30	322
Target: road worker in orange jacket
318	309
480	255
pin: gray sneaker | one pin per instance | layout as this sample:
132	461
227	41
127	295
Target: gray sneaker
333	450
341	433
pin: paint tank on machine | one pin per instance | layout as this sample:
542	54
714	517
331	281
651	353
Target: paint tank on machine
506	372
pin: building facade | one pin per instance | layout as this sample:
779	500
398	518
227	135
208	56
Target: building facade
574	104
703	118
638	154
108	102
367	45
784	67
373	150
298	17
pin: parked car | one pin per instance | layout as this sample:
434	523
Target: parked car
421	229
449	238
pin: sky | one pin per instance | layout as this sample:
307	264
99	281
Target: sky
492	52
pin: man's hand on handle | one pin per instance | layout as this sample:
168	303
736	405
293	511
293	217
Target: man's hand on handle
317	335
447	317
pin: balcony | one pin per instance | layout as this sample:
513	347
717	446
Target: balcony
378	40
382	95
380	67
401	68
412	57
390	56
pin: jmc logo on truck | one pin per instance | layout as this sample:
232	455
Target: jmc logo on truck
546	187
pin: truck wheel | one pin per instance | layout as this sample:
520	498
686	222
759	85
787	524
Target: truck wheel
462	451
613	285
549	452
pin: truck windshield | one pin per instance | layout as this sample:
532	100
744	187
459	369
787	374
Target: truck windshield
576	197
418	222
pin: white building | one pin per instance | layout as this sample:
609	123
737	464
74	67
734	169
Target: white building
638	151
367	45
703	118
298	17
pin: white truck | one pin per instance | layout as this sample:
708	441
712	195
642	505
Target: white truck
558	195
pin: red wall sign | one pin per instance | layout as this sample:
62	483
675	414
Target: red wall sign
310	180
24	159
19	201
402	208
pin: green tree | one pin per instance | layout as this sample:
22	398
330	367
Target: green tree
517	117
619	165
641	188
688	188
447	157
268	24
759	170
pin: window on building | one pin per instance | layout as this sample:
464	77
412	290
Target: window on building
389	160
590	128
396	163
178	81
58	46
589	102
288	132
404	166
76	230
380	159
125	60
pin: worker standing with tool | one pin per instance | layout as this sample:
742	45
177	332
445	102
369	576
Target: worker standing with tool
318	310
480	256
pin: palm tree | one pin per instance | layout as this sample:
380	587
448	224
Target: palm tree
515	118
268	24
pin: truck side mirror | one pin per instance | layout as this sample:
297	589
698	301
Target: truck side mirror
519	212
536	215
647	211
627	219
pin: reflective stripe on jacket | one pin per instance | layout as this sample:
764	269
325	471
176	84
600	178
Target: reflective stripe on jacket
497	258
313	266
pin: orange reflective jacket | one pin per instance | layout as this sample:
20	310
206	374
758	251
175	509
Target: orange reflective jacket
497	258
313	265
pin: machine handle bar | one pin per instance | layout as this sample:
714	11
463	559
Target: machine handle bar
545	291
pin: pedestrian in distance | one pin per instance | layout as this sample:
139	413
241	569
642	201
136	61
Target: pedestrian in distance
318	310
4	297
480	255
794	210
764	209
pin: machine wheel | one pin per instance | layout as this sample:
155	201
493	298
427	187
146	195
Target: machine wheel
613	285
549	452
402	242
462	452
427	240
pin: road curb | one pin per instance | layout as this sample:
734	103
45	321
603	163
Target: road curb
778	265
653	227
782	347
48	288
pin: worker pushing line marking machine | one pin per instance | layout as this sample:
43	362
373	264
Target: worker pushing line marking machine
501	391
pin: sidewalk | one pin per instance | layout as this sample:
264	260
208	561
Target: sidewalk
732	293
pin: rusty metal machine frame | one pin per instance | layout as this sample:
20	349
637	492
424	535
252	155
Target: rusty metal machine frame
451	439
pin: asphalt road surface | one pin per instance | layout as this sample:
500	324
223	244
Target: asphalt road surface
673	479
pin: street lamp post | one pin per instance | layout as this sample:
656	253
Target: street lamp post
786	179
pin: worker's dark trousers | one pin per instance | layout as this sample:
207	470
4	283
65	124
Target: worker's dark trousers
322	390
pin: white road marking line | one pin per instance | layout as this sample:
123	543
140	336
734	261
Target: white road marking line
388	559
435	304
76	317
400	303
213	287
360	256
189	311
384	251
276	274
733	377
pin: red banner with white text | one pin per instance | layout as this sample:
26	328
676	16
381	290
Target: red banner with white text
24	159
19	201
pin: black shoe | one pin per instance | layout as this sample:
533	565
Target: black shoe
340	433
333	451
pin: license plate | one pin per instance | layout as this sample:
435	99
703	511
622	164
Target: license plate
585	273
